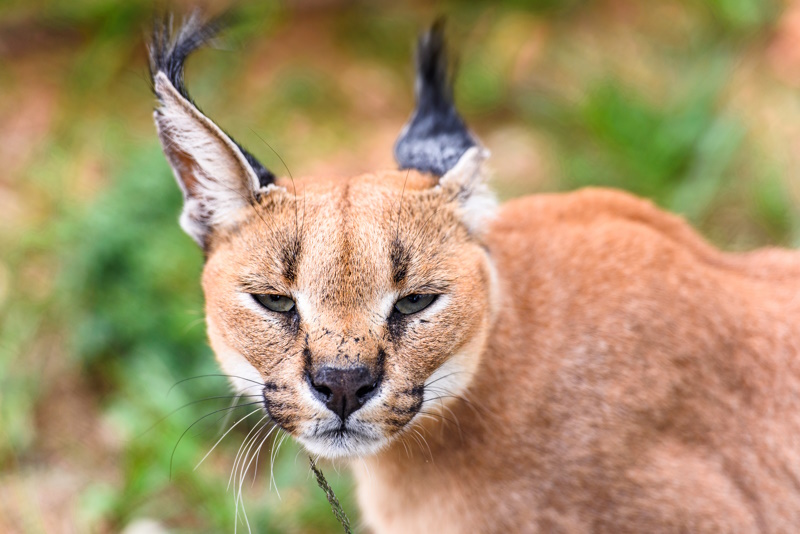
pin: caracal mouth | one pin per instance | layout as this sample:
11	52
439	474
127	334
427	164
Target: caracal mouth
344	441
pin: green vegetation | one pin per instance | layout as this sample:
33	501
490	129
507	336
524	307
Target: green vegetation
100	303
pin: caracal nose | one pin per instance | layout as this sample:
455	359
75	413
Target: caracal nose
344	389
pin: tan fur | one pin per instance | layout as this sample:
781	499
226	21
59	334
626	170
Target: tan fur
636	380
627	378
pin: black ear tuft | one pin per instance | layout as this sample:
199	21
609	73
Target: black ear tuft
169	49
435	137
168	52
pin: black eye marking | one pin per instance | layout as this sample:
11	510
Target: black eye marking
400	258
290	257
275	303
414	303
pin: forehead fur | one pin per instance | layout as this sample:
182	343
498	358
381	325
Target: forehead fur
399	180
357	235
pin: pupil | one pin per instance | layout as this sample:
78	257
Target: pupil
413	299
274	298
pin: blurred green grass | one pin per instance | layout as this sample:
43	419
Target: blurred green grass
100	305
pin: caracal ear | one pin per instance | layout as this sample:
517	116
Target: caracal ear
436	140
216	175
466	184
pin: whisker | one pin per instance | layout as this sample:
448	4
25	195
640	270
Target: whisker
430	453
172	456
176	410
179	382
258	452
366	468
227	416
448	375
415	435
192	324
408	454
475	408
245	466
236	459
482	415
294	187
455	419
274	456
299	450
223	437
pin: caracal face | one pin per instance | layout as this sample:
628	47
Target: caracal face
352	307
346	251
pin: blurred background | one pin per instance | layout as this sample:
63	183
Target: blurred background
695	105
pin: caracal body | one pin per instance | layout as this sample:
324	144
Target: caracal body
579	362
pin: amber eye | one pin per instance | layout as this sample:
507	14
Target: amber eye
276	303
414	303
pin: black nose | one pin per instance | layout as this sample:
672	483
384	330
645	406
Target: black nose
344	390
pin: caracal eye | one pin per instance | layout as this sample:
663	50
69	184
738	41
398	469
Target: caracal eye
276	303
414	303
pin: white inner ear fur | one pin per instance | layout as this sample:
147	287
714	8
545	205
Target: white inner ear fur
467	182
212	172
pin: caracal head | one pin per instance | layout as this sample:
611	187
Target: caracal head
349	306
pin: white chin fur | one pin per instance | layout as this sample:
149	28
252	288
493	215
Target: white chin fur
362	439
342	447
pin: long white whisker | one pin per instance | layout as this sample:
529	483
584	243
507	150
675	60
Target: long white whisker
412	436
229	414
275	449
225	434
236	498
408	454
366	468
258	451
455	419
245	466
430	454
448	375
235	401
239	452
